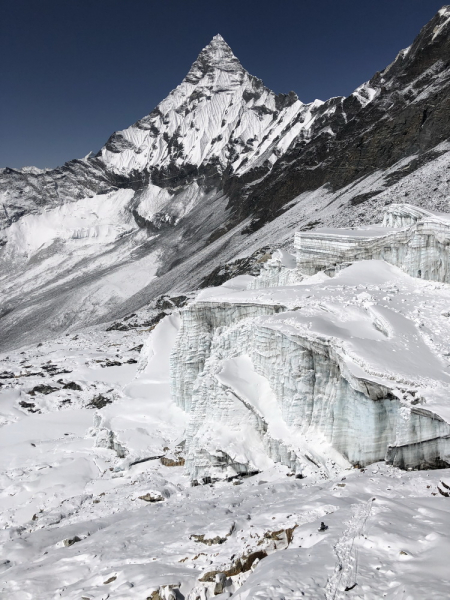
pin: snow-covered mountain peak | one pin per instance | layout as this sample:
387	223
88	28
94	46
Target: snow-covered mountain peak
219	114
444	15
217	55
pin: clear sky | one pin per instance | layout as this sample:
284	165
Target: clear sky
74	71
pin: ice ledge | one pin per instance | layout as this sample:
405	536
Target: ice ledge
350	372
345	365
411	238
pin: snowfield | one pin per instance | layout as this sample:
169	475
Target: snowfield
111	488
225	366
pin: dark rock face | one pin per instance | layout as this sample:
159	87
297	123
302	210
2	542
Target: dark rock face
151	498
42	389
29	406
250	265
7	375
118	327
409	114
71	385
205	60
71	541
99	402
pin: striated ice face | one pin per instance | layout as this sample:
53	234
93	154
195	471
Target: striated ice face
414	239
296	369
280	269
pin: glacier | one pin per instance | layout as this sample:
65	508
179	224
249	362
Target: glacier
339	351
224	360
414	239
101	501
206	466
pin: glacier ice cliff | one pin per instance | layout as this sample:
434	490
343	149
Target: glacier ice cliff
414	239
300	367
280	269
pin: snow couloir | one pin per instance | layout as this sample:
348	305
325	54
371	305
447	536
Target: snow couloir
333	356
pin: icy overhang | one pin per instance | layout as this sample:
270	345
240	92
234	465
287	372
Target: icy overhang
386	327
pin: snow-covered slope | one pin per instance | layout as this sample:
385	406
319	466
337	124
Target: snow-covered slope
95	500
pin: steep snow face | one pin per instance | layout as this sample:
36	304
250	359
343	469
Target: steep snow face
101	220
83	257
160	206
219	115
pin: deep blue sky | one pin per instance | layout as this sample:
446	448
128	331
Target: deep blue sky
74	71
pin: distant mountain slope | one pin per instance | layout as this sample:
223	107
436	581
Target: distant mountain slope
219	121
207	177
408	113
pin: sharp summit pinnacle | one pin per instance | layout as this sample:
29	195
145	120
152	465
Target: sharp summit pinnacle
217	55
